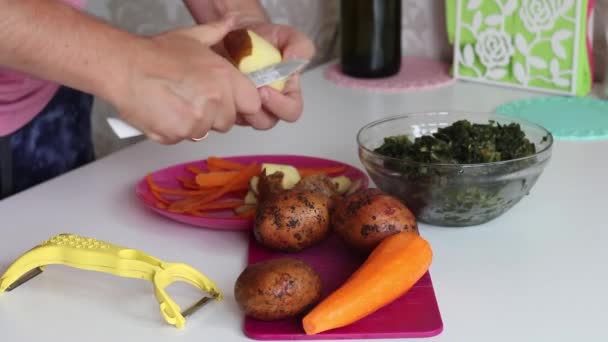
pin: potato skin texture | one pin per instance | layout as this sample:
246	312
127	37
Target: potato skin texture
277	289
270	185
366	217
292	220
238	45
320	183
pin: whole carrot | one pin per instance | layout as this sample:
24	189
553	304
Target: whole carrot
391	270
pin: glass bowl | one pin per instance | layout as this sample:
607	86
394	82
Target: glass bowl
454	195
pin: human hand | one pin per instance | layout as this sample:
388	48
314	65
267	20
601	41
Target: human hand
286	105
178	88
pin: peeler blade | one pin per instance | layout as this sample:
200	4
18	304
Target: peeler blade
196	306
24	279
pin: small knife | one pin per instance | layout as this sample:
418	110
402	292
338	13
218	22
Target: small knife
260	78
276	72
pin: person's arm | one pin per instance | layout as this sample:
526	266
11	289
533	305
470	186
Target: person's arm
171	86
55	42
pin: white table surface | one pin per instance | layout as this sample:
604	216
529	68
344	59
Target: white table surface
538	273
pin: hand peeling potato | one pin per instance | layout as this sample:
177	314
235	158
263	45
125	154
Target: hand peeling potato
250	52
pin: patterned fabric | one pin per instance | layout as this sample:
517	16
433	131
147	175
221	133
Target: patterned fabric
23	96
56	141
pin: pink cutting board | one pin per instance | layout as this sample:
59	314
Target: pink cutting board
416	314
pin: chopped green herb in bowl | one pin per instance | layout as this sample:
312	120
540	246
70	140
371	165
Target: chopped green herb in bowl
455	169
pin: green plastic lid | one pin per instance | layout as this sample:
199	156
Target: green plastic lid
567	118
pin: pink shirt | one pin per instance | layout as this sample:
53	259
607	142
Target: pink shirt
22	97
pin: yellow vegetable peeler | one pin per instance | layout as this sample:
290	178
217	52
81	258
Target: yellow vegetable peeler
94	255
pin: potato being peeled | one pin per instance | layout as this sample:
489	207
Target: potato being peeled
250	52
277	289
292	220
366	217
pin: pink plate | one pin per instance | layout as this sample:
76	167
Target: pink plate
225	219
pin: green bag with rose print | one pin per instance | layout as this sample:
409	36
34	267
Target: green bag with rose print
534	44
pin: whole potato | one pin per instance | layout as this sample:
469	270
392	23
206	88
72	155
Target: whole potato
277	289
292	220
366	217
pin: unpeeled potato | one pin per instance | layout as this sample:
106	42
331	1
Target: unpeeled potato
293	220
277	289
365	218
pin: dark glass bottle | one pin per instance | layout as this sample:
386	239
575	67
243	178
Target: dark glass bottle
370	37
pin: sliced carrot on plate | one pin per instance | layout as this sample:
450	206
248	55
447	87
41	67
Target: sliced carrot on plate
188	183
197	213
223	164
185	204
153	189
237	183
194	169
215	179
161	205
214	168
178	192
